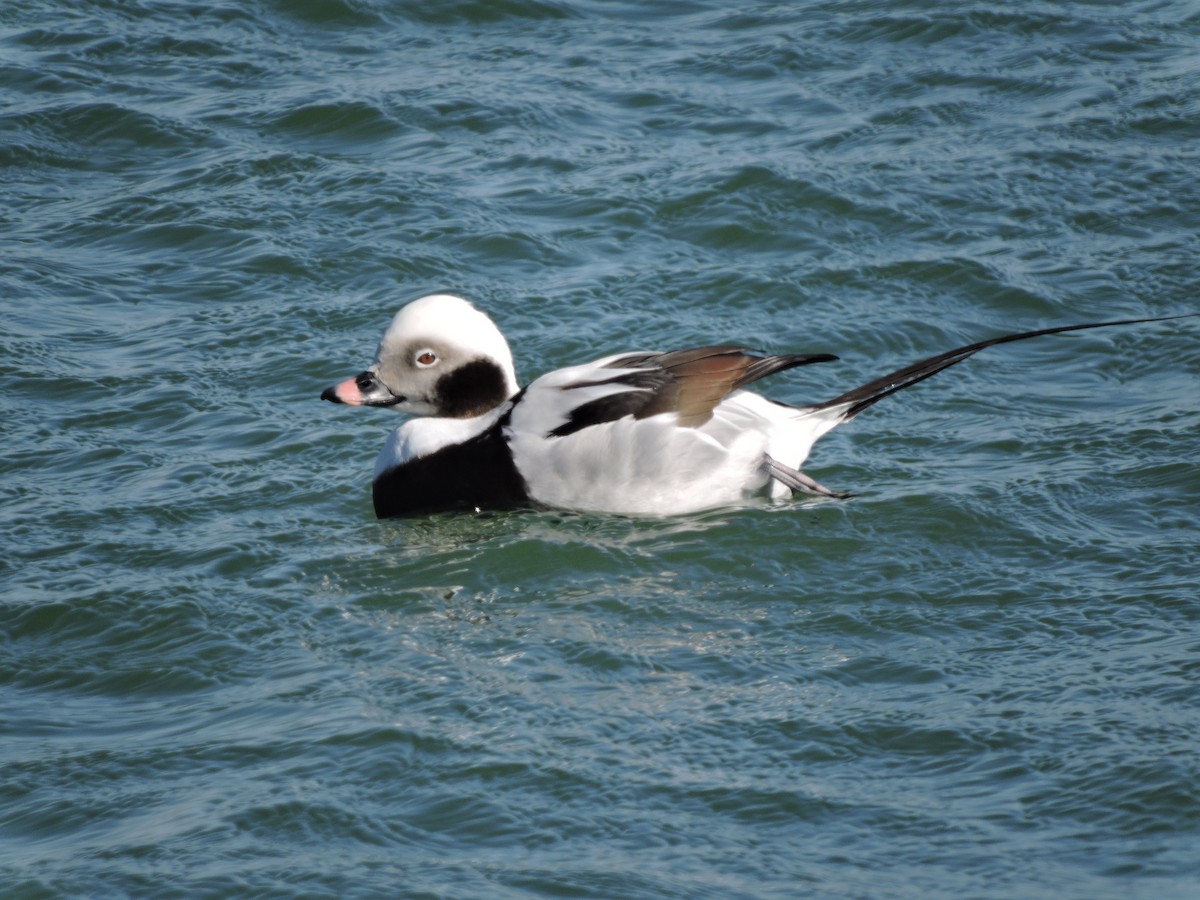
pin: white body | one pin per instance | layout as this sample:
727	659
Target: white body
654	466
645	467
637	434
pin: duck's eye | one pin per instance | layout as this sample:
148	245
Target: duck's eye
426	358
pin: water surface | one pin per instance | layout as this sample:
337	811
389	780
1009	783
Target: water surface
220	676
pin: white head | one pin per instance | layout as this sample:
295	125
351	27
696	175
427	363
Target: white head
439	357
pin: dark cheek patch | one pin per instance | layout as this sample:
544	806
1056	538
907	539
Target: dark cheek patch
471	390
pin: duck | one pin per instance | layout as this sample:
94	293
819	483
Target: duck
641	433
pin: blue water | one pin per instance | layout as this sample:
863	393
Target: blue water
221	676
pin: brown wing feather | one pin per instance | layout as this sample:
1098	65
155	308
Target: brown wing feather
688	382
705	376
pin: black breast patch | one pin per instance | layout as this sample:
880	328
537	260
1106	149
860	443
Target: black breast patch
476	474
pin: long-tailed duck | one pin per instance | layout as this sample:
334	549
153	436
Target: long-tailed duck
644	433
